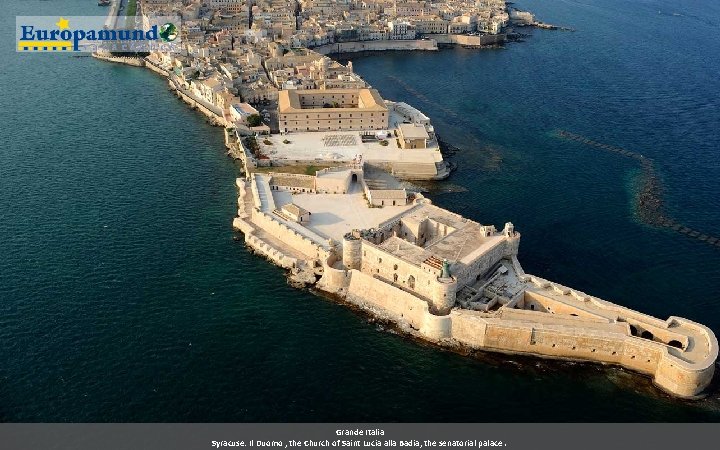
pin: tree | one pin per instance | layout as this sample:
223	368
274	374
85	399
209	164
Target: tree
254	120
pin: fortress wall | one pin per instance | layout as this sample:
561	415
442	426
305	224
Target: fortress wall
255	194
211	111
598	323
392	303
333	280
468	329
642	322
466	274
436	328
332	185
411	231
397	218
542	303
155	68
680	379
471	329
378	262
369	46
475	331
287	235
463	39
273	254
593	346
241	225
413	170
641	355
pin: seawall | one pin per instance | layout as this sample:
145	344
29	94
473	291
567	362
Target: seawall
524	332
470	40
129	60
210	112
375	46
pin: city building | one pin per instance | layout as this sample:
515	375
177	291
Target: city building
331	110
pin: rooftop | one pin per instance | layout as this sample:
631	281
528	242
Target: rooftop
413	131
291	100
329	146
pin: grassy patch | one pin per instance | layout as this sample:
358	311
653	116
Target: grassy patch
131	8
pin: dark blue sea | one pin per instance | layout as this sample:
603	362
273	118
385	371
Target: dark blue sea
124	297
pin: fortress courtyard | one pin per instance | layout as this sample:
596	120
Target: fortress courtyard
333	215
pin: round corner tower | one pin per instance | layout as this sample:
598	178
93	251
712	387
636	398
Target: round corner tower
444	291
352	250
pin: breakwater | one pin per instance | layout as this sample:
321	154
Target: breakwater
649	203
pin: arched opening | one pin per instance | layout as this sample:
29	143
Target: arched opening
411	282
354	178
395	278
532	307
676	344
647	335
633	330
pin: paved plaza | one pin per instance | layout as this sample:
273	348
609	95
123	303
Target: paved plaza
333	215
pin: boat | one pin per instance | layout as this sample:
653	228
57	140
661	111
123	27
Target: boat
103	2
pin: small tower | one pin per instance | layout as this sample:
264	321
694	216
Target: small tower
444	292
445	269
512	239
509	230
352	250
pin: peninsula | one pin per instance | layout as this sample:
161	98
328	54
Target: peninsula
322	153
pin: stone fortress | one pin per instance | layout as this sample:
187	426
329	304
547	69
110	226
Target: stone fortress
351	229
356	234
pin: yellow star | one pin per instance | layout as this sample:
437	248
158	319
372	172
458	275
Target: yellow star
63	23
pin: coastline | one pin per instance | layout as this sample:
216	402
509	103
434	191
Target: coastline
463	330
271	237
429	326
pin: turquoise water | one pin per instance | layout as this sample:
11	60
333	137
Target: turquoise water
123	296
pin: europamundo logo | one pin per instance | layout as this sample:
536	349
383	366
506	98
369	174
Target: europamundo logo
94	33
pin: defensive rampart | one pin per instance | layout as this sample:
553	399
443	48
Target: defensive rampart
374	46
528	332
